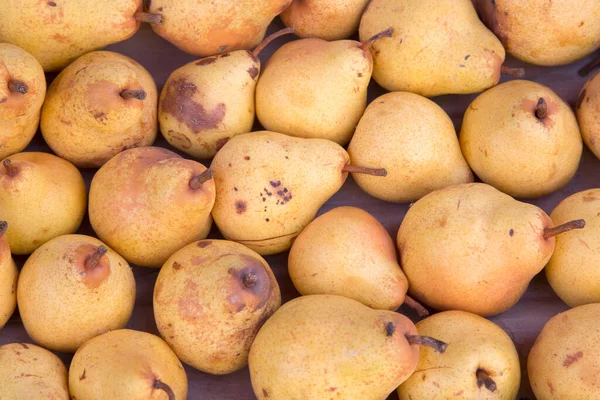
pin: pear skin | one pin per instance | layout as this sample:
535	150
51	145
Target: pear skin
43	197
588	104
22	92
8	278
98	106
127	364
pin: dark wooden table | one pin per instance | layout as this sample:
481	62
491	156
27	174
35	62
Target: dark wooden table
523	322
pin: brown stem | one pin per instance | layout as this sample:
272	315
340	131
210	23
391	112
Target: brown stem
250	279
92	261
435	344
261	46
587	68
160	385
484	379
387	33
514	72
364	170
11	170
197	181
17	86
566	227
541	109
415	305
3	227
142	16
133	94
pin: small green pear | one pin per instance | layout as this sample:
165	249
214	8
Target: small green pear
8	278
588	117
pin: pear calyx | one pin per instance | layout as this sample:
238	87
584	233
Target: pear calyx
261	46
160	385
142	16
364	170
133	94
386	33
197	181
415	305
250	279
92	261
514	72
16	86
11	170
566	227
484	379
541	109
587	68
3	228
419	340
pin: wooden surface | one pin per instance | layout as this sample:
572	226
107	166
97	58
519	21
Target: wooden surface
523	322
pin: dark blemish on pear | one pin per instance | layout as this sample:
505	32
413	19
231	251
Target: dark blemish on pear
360	74
467	56
24	346
220	143
207	61
253	72
570	359
275	183
267	219
51	4
176	266
389	329
247	158
265	393
205	243
222	48
240	206
4	100
234	188
580	98
483	379
82	377
99	115
511	232
461	65
133	94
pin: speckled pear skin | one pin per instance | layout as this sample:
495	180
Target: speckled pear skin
142	205
31	372
87	122
8	279
46	198
437	47
206	102
325	346
327	20
208	27
588	104
210	299
19	112
57	32
474	343
126	364
294	176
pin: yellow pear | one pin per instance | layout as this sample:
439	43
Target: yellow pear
471	247
521	138
347	252
563	362
98	106
565	31
31	372
588	104
42	197
74	288
437	47
327	20
148	202
206	102
327	346
208	27
57	32
127	364
293	177
480	363
210	300
22	91
420	155
8	278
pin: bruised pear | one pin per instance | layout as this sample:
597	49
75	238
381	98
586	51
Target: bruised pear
8	278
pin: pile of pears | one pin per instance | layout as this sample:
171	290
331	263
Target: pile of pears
111	200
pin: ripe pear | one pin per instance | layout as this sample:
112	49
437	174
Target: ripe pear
321	347
98	106
293	177
565	31
210	300
22	91
205	28
8	278
563	362
588	104
481	361
420	154
521	138
74	288
471	247
31	372
42	197
57	32
347	252
127	364
327	20
206	102
149	202
312	88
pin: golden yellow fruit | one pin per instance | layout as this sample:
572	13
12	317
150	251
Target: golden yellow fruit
8	278
588	114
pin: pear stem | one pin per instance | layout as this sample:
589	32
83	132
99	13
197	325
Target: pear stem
92	261
11	170
17	86
142	16
587	68
261	46
197	181
415	305
364	170
566	227
435	344
133	94
514	72
484	379
541	109
250	279
160	385
3	228
387	33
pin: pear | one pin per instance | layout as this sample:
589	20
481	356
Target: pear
42	197
98	106
210	300
420	154
327	20
57	32
206	102
347	252
563	362
471	247
8	278
127	364
293	177
321	347
205	28
31	372
588	104
149	202
481	361
22	91
312	88
564	31
521	138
